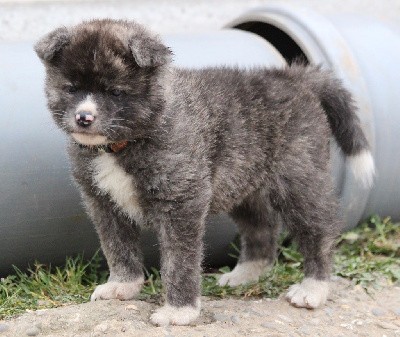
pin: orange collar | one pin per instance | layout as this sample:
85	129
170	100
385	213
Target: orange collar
109	148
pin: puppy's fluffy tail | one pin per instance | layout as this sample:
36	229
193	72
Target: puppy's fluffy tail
345	124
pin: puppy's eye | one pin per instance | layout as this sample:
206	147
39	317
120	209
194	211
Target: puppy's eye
72	89
116	92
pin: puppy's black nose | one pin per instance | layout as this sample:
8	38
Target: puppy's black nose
84	118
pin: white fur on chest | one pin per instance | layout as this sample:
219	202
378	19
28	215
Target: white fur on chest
112	179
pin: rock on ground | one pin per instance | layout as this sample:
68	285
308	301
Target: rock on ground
350	311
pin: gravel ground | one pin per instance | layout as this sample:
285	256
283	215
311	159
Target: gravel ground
350	311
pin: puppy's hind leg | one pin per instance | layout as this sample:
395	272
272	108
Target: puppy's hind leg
119	238
312	218
258	226
313	291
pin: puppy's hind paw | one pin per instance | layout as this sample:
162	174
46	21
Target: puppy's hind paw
243	273
310	293
117	290
167	315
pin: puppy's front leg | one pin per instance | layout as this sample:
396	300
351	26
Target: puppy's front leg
181	238
119	240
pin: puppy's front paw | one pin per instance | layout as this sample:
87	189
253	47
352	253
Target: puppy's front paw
310	293
243	273
176	316
119	290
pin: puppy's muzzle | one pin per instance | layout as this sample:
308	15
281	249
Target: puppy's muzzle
84	119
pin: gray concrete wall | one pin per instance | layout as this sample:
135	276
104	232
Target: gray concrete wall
26	19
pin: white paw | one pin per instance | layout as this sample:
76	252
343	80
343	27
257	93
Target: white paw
119	290
310	293
167	315
244	273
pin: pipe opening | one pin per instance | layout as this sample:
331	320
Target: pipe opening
278	38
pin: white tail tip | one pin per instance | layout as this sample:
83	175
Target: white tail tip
363	167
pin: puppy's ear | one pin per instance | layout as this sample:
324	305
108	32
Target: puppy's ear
49	45
149	51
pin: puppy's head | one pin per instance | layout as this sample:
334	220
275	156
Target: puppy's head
104	79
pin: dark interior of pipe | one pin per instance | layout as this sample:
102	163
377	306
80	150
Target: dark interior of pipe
278	38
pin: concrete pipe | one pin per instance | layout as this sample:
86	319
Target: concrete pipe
41	216
364	53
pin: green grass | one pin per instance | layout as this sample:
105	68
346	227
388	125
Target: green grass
366	254
370	253
45	287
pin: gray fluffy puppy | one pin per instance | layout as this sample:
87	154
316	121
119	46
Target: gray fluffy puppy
152	144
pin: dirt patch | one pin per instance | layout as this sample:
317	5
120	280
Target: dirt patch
350	311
